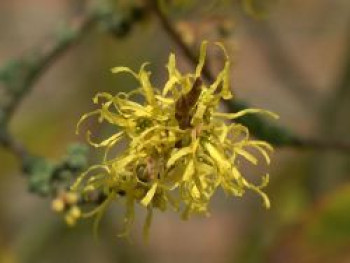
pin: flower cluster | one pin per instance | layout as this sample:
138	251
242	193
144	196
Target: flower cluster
180	148
67	203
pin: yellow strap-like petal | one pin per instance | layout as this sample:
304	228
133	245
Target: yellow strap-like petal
148	222
222	163
84	117
111	140
117	70
149	196
201	60
189	171
246	155
146	85
179	154
244	112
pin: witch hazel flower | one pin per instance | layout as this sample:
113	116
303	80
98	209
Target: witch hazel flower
180	149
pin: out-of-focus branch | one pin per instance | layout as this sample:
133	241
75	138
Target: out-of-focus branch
8	142
315	144
176	38
25	72
19	77
281	137
274	134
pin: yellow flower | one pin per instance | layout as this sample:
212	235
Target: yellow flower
180	148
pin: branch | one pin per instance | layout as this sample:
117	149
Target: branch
315	144
8	142
19	78
21	75
176	37
274	134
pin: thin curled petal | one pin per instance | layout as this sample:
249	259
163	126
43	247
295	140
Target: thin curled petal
202	55
148	222
226	90
149	196
78	182
179	154
83	118
101	211
241	113
146	84
110	141
266	200
117	70
248	156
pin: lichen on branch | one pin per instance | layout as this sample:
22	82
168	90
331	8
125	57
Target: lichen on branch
180	148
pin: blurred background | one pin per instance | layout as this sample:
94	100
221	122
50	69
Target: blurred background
294	61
